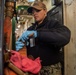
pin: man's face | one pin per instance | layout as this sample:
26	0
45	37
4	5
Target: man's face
39	15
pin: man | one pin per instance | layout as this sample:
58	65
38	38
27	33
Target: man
50	36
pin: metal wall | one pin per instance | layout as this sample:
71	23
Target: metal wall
70	49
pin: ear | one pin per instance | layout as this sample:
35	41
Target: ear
45	11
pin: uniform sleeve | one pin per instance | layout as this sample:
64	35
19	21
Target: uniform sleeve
58	35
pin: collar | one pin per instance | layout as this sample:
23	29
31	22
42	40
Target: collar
42	24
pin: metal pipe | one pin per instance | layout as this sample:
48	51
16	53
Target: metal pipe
1	35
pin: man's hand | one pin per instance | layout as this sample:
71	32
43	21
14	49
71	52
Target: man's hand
19	45
25	35
23	40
